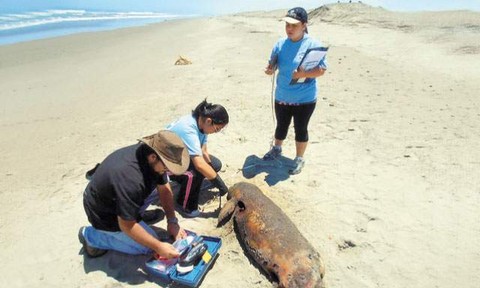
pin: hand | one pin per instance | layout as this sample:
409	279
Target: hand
268	71
176	231
218	182
166	251
297	74
223	190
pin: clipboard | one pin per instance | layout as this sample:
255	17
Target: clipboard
310	60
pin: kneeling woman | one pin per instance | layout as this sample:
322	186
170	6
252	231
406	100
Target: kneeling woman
193	129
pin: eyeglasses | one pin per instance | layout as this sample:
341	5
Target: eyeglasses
218	127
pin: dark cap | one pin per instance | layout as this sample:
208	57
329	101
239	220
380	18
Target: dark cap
296	15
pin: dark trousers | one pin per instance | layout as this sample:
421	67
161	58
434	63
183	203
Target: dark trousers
301	116
192	201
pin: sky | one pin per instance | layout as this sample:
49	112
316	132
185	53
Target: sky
215	7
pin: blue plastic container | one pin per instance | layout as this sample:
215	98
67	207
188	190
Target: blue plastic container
192	278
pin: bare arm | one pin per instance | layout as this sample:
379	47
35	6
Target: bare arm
166	199
203	167
314	73
141	236
206	156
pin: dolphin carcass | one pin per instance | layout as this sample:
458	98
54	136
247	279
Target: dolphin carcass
271	238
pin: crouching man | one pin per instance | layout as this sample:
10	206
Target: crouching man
115	198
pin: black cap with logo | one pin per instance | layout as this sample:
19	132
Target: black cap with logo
296	15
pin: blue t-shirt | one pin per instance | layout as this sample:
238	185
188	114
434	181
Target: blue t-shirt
187	129
289	54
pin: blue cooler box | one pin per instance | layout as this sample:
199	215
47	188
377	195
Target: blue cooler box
192	278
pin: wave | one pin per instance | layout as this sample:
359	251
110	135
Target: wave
36	18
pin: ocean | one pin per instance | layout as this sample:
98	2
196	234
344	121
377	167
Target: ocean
33	25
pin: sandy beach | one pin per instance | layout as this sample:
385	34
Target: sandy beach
390	193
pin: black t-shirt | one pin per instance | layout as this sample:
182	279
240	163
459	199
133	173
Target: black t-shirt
120	186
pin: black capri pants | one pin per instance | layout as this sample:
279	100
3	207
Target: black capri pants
301	116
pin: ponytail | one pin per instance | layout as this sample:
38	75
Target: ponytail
216	112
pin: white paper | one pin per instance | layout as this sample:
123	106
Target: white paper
310	61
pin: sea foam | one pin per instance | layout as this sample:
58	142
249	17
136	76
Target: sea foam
25	26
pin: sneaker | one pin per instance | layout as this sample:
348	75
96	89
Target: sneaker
299	163
91	252
152	216
191	214
275	152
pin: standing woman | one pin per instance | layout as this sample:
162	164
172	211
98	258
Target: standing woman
295	101
193	129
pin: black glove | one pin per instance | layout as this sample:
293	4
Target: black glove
218	182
